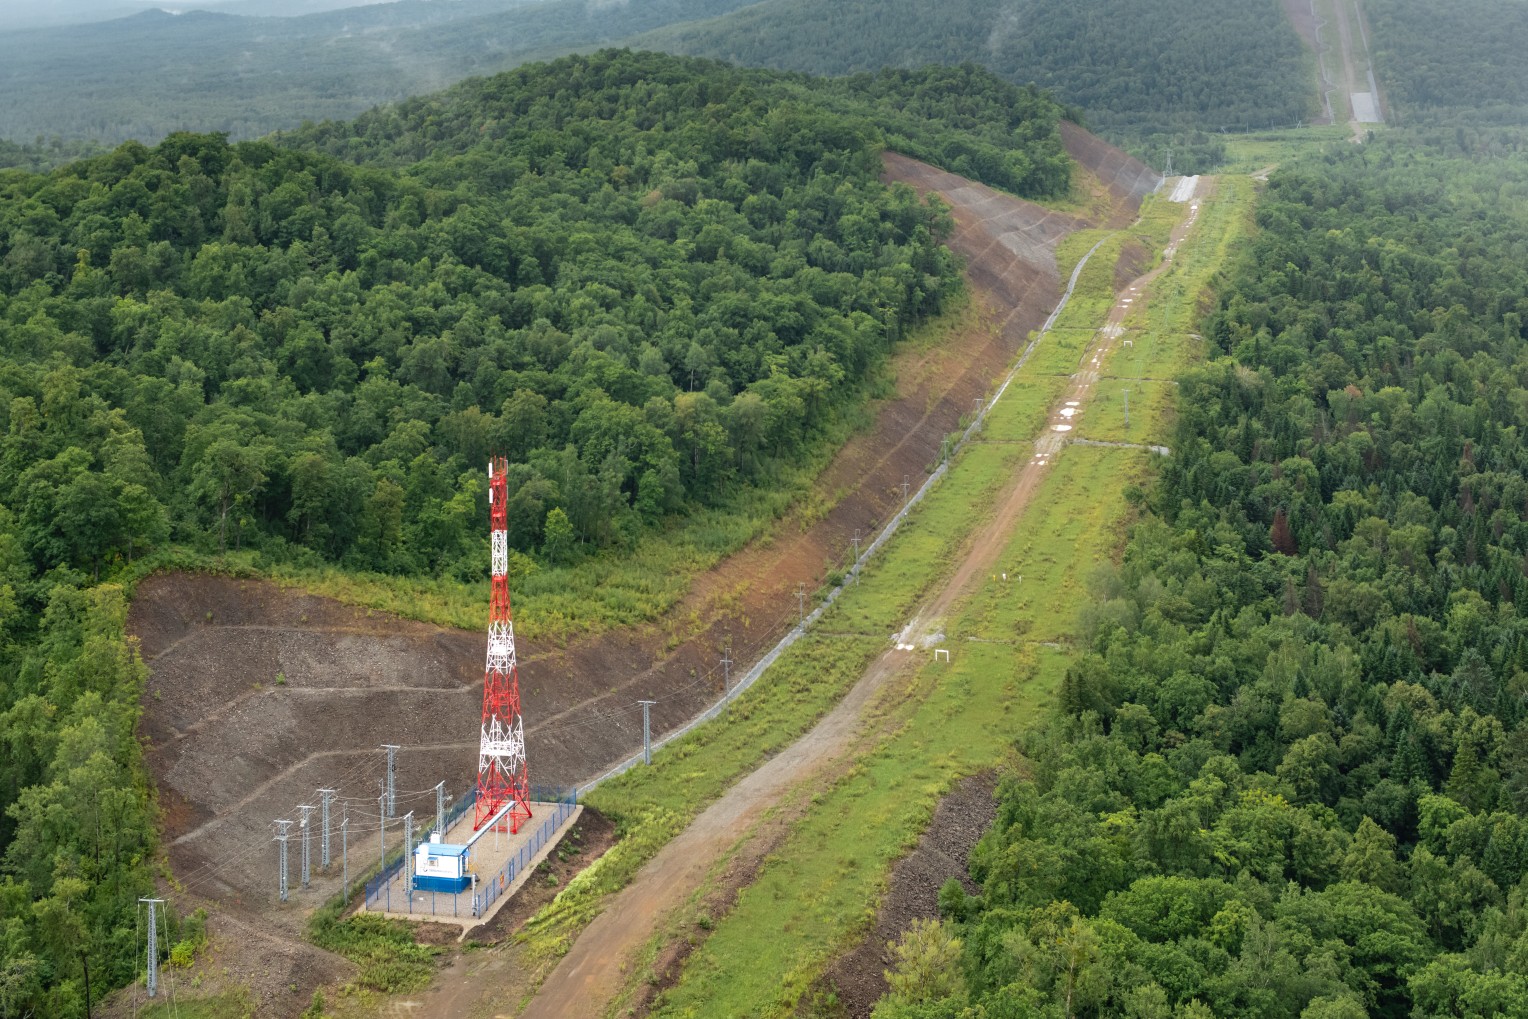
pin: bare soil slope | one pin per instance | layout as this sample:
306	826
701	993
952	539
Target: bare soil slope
1125	179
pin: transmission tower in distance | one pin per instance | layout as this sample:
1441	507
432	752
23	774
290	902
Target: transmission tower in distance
502	778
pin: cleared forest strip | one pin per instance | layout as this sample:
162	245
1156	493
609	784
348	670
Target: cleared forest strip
584	981
1009	474
811	676
809	899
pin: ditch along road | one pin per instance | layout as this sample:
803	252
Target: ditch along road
597	968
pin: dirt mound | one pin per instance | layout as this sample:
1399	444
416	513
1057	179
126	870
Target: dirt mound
942	853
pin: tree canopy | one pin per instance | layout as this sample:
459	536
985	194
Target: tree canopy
1152	74
1289	775
646	280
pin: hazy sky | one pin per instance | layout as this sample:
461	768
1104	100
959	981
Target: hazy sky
28	13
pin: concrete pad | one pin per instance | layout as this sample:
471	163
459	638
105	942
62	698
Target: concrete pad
524	850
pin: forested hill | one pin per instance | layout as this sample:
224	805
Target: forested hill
1290	776
1136	68
651	281
1139	68
148	75
964	119
1445	62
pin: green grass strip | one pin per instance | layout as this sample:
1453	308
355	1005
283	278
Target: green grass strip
816	895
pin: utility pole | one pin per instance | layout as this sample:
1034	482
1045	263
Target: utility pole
801	607
904	489
382	831
326	796
440	808
647	731
281	837
727	673
307	840
856	554
976	408
345	858
408	849
392	774
153	972
1127	410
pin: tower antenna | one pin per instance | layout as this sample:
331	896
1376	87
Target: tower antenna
501	758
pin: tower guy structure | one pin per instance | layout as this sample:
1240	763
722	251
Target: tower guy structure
502	776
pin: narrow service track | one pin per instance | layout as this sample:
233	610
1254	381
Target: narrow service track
594	971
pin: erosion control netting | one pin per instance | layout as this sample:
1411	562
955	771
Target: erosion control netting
1127	178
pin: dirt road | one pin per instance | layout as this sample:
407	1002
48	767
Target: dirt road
986	545
595	969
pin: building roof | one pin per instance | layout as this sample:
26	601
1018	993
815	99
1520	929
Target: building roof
443	849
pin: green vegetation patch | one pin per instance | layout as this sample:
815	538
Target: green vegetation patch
811	896
1060	353
1021	413
1070	529
1289	775
384	949
1151	403
234	1005
1258	150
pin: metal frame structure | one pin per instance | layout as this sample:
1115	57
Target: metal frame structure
502	777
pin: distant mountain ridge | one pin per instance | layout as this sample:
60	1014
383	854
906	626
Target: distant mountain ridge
1135	66
1138	68
145	76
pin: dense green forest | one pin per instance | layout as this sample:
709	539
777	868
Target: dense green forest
44	153
1440	62
1289	777
647	279
1158	74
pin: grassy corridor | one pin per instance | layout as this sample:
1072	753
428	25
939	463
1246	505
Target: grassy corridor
818	890
817	893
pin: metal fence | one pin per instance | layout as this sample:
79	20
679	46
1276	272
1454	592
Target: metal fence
489	892
379	889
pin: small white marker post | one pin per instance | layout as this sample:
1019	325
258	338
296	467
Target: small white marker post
941	651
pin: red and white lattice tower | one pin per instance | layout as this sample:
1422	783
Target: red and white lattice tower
501	759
